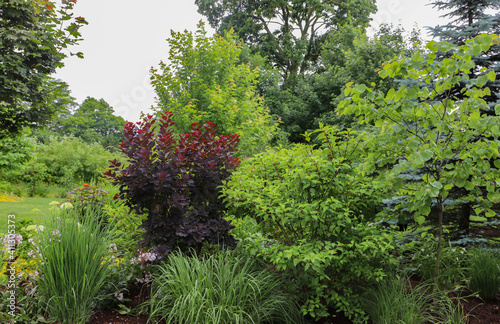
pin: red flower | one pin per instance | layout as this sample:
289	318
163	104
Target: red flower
85	184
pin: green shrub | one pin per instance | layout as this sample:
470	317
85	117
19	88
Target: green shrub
221	288
314	209
75	265
485	273
127	222
68	161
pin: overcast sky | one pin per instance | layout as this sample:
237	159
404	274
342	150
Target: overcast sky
125	38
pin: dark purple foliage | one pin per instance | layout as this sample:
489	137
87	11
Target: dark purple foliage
176	184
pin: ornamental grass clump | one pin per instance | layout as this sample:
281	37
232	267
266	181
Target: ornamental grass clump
74	266
485	273
222	288
396	300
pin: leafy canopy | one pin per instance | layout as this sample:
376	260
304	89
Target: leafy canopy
33	36
288	33
94	122
204	81
423	126
419	128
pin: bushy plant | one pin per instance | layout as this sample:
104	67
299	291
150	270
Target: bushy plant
485	273
205	80
75	265
66	161
24	267
220	289
176	184
314	209
89	197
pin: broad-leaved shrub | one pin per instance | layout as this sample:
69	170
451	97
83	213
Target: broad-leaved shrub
316	208
176	184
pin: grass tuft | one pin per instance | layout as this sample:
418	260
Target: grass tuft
485	273
222	288
74	267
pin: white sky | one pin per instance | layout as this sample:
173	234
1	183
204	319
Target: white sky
125	38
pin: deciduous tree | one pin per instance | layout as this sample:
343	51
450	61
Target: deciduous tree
424	126
33	35
289	33
205	81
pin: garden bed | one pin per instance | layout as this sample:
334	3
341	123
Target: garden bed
480	312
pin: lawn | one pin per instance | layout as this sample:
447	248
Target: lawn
35	208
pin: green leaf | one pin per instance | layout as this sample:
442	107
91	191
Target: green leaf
420	220
426	155
360	87
491	75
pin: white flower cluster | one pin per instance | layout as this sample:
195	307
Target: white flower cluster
144	257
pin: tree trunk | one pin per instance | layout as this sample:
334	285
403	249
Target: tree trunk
440	237
464	220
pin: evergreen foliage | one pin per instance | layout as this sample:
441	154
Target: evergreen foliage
470	18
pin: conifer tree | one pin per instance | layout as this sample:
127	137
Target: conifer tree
469	18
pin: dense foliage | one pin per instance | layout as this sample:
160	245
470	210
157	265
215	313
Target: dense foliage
205	81
33	36
424	127
469	19
289	33
176	184
68	161
315	208
94	122
347	55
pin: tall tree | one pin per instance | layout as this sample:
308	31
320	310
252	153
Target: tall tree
288	33
205	81
469	18
94	122
347	55
33	34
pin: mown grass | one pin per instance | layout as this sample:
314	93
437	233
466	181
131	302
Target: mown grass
30	208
